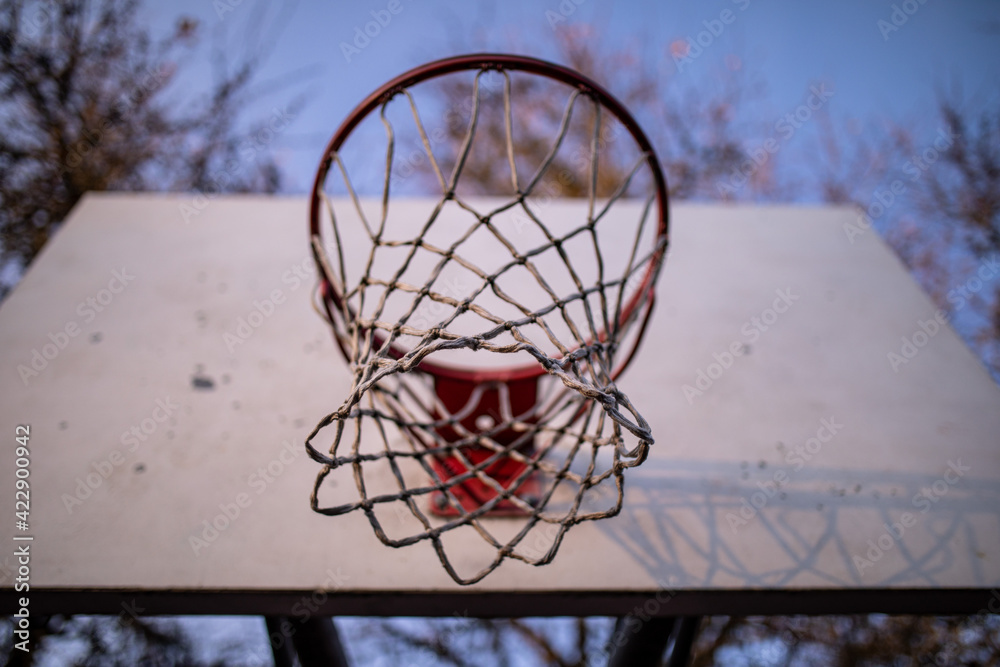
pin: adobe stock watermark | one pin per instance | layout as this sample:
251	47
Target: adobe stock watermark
545	191
562	12
634	620
987	271
131	440
899	17
785	128
303	610
797	457
990	608
8	568
924	501
543	194
36	18
77	152
223	7
247	149
539	542
230	511
431	312
458	115
87	310
751	330
915	168
912	344
363	35
130	613
582	158
686	51
298	274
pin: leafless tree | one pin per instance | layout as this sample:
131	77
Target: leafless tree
87	103
695	124
108	641
943	217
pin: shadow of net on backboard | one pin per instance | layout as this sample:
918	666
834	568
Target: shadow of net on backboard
725	525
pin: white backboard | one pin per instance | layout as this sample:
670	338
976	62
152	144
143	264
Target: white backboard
159	403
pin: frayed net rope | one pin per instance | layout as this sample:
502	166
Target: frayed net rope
393	418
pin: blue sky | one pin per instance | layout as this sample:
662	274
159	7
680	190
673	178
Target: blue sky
877	73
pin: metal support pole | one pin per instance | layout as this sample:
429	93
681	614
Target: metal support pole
310	643
281	642
318	644
641	646
686	633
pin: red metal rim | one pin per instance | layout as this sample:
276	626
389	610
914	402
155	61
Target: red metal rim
492	61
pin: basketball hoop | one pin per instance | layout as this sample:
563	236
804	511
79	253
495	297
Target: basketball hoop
563	314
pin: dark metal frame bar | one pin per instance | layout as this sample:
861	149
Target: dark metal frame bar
491	604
